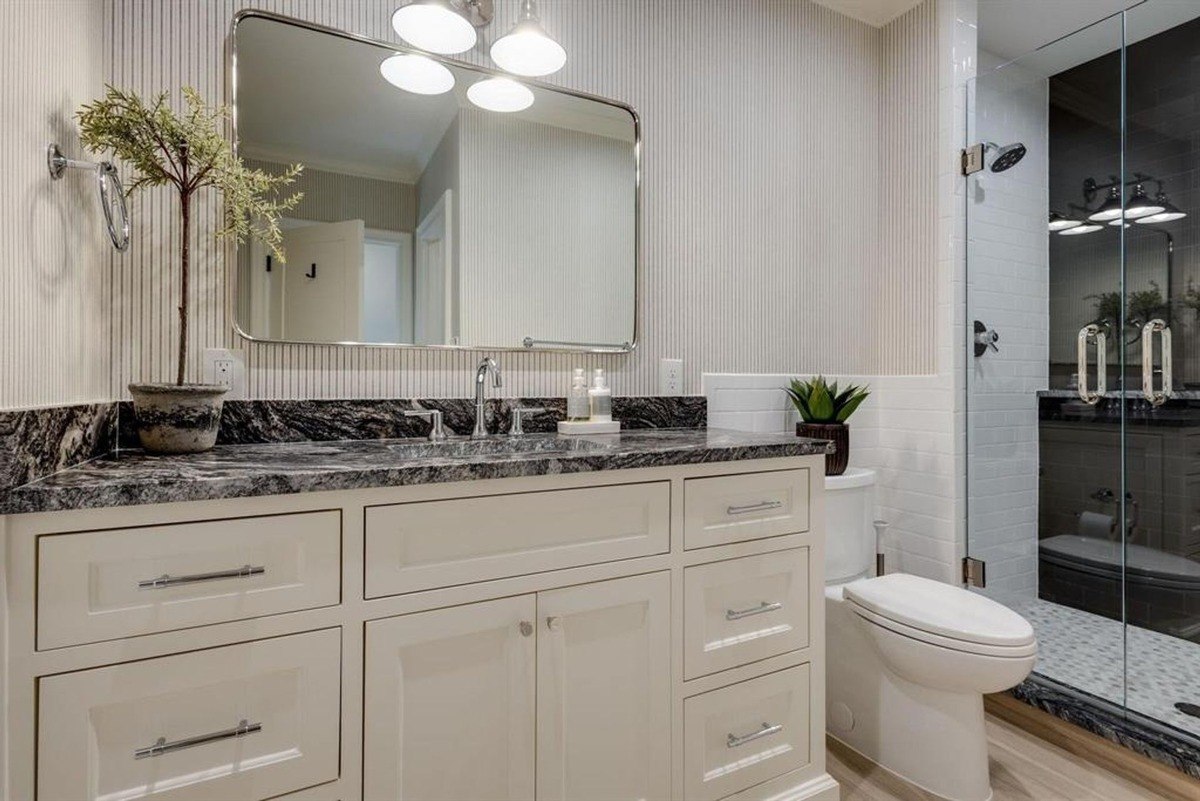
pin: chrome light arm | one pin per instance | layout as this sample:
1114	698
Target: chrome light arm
1092	332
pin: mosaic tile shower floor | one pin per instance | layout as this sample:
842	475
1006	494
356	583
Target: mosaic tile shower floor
1084	651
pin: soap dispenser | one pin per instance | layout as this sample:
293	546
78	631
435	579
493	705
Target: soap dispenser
578	402
600	398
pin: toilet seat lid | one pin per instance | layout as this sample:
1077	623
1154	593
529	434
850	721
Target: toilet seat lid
941	609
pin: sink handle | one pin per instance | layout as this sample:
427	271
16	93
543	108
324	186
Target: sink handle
517	427
437	432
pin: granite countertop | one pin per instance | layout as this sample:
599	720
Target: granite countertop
129	478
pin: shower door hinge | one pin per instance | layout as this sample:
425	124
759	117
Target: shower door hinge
974	572
972	159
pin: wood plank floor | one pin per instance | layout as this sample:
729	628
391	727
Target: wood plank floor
1024	768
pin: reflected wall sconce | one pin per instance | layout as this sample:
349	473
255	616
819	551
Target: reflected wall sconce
1140	208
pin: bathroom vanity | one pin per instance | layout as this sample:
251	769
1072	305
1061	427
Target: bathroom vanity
629	616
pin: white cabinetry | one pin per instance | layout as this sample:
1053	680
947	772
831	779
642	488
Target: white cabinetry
644	634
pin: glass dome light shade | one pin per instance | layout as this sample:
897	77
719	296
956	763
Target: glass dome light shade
500	94
1141	206
1086	228
418	74
528	50
435	26
1110	209
1169	212
1061	223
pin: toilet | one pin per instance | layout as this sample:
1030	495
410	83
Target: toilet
909	658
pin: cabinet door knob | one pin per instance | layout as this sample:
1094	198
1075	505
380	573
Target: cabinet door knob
554	623
526	628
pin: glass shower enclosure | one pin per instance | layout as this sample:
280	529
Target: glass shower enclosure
1083	364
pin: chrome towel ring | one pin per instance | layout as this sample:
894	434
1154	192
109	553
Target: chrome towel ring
108	186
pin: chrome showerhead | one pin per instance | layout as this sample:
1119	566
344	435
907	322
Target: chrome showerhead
1006	155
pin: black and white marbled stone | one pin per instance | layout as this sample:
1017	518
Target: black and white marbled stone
1155	742
263	421
236	471
37	442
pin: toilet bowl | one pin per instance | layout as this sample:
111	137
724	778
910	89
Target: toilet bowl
909	659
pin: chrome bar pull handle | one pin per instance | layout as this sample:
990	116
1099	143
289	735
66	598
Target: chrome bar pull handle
1156	397
167	580
761	506
162	746
1088	333
761	609
734	740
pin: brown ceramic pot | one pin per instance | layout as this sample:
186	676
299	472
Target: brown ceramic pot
173	418
839	434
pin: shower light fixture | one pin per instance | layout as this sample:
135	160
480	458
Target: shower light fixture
1061	223
439	26
527	49
1141	206
1169	212
417	74
1082	228
500	94
1111	208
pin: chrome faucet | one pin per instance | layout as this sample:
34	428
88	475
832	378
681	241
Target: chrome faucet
486	365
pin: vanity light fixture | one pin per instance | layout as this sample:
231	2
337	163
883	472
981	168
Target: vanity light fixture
1061	223
1140	205
1111	208
527	49
1169	212
1085	228
500	94
418	74
439	26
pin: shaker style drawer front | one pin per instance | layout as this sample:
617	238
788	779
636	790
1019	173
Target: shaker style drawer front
743	610
724	509
418	546
248	721
743	735
103	585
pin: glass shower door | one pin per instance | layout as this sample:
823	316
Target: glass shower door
1052	352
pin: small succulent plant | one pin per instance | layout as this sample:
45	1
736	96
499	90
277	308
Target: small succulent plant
821	402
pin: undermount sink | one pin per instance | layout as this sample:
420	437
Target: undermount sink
498	446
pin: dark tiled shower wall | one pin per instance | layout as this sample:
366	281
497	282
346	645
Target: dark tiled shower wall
37	442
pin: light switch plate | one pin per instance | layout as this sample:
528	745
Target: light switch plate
670	377
225	366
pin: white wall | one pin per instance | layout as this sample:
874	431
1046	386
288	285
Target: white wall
756	116
54	252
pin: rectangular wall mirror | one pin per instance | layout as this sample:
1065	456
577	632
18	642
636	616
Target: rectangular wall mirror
426	219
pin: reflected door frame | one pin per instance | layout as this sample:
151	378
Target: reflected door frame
434	281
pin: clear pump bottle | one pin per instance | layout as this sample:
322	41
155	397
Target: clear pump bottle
600	397
578	403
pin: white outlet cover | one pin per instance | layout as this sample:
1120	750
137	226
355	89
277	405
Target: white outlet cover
670	377
237	379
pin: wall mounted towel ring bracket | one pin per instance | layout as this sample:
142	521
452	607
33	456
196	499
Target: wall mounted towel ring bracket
108	185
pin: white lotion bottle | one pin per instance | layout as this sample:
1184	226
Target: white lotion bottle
578	403
600	397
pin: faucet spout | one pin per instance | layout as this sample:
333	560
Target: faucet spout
486	365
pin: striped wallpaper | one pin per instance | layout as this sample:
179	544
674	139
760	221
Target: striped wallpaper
777	142
54	323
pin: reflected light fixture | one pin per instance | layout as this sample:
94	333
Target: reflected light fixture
1110	209
1061	223
1168	214
500	94
527	49
1083	228
438	26
1141	206
418	74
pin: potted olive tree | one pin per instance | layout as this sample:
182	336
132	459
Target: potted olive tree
824	410
187	152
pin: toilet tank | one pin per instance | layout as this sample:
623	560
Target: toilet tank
850	535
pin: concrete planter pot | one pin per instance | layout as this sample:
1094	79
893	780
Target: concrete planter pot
839	433
173	418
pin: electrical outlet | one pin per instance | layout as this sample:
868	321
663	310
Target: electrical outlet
670	377
224	366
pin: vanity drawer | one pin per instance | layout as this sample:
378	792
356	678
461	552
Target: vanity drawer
248	721
103	585
417	546
744	610
742	735
748	506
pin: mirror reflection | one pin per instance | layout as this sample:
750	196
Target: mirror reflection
443	205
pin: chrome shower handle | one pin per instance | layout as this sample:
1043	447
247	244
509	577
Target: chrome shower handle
1156	397
1087	333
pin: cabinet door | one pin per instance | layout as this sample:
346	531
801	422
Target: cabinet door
450	704
604	692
